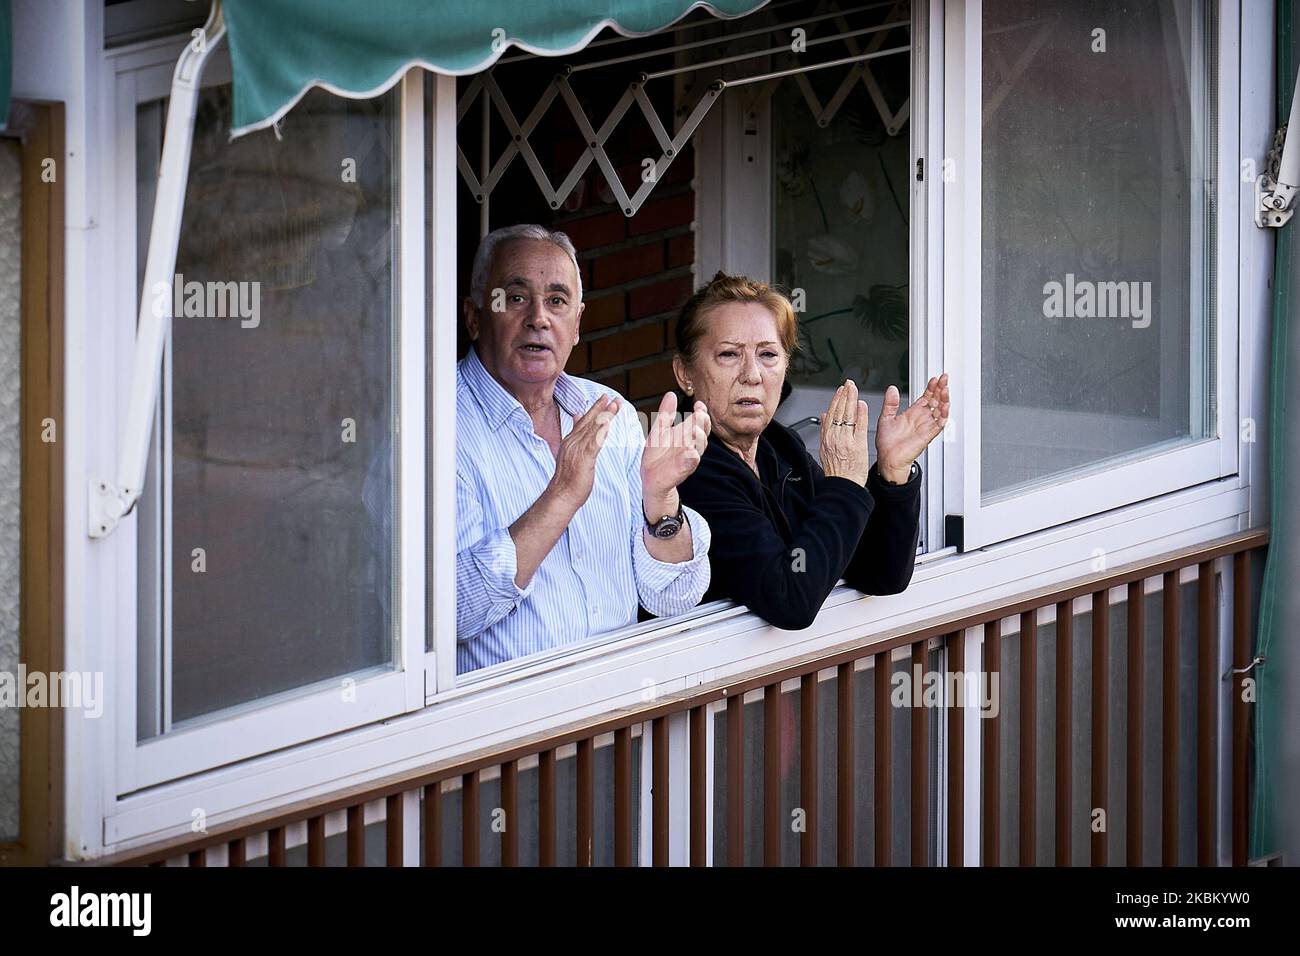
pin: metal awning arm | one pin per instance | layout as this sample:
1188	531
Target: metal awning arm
109	501
1275	197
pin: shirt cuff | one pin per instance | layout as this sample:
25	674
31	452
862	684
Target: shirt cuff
881	489
656	575
497	561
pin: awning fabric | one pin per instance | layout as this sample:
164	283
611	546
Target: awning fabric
281	48
6	60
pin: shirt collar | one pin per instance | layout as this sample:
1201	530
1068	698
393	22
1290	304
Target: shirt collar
498	404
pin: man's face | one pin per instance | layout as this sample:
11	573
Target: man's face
528	323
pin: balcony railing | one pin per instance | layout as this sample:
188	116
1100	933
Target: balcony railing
693	748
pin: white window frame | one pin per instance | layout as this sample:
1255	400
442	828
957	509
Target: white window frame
141	74
539	696
1101	488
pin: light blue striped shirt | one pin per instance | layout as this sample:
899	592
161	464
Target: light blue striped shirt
590	581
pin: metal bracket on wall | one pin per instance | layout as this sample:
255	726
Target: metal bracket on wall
1276	187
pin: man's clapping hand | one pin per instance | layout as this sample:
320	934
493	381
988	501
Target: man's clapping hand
671	455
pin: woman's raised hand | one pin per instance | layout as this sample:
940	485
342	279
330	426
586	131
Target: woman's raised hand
900	439
845	450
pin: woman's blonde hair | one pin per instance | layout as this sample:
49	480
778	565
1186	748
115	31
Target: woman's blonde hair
723	288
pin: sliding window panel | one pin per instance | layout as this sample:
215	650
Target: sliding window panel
1086	226
281	534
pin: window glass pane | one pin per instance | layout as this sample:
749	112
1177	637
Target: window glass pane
278	410
840	222
1098	268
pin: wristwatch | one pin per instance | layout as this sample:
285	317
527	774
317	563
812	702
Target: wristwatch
668	525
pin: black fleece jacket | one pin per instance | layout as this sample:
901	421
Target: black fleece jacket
780	544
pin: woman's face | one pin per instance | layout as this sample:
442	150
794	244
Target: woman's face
737	370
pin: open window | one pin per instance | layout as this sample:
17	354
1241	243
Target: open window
814	177
776	145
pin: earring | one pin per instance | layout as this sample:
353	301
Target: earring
690	389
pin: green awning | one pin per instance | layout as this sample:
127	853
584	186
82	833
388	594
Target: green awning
281	48
6	60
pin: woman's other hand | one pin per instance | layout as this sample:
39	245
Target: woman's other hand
845	450
900	438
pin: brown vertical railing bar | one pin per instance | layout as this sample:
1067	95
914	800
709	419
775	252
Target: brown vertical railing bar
1135	710
1064	731
920	776
1100	725
585	804
393	830
1207	687
509	810
316	841
991	808
357	835
772	775
275	846
957	755
884	764
469	819
623	796
198	858
546	808
659	834
432	824
1028	737
736	780
808	767
845	768
236	853
1240	707
1169	737
699	788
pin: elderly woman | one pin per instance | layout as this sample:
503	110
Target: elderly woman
785	528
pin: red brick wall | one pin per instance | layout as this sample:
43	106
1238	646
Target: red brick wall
636	272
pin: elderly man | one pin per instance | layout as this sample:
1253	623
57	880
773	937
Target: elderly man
565	513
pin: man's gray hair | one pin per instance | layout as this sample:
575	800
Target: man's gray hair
528	230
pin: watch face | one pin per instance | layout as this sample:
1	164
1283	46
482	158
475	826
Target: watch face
666	527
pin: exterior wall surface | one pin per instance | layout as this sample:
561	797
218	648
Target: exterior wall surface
10	469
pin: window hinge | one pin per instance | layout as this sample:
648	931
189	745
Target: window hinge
107	504
920	170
